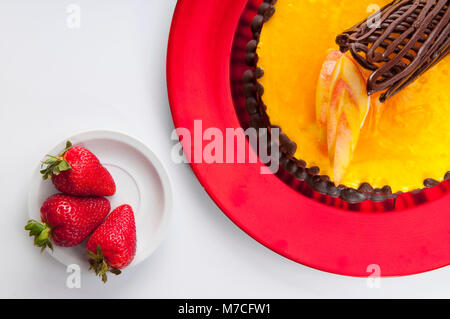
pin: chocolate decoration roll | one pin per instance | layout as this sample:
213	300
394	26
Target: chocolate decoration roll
399	43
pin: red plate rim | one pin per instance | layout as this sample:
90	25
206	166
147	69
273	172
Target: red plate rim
401	243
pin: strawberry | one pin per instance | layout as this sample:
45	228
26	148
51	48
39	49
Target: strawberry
112	246
67	220
76	171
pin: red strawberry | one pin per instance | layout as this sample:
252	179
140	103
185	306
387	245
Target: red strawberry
112	246
76	171
67	220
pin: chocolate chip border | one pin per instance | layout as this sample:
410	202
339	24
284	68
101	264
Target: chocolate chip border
253	92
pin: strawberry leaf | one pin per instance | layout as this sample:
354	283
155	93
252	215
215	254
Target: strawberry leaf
54	165
64	166
41	233
100	265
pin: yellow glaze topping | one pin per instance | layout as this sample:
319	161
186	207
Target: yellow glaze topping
403	141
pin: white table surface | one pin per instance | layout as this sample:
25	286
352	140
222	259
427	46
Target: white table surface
110	74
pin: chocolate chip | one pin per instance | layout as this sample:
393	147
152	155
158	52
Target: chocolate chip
249	90
301	174
263	7
321	186
291	147
429	182
257	23
333	191
251	46
447	176
248	77
315	170
269	13
387	190
251	59
260	89
266	10
259	73
251	105
284	162
284	140
301	163
256	121
352	196
365	188
315	179
291	167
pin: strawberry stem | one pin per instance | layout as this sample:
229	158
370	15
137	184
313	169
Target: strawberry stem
54	165
41	233
100	266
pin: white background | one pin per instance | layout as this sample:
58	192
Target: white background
110	74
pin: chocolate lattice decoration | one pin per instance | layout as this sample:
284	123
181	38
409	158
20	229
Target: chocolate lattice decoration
409	38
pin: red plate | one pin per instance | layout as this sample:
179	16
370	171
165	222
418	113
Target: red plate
411	238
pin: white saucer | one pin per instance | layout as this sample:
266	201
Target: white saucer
141	182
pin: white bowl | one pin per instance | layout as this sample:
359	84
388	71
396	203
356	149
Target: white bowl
141	182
